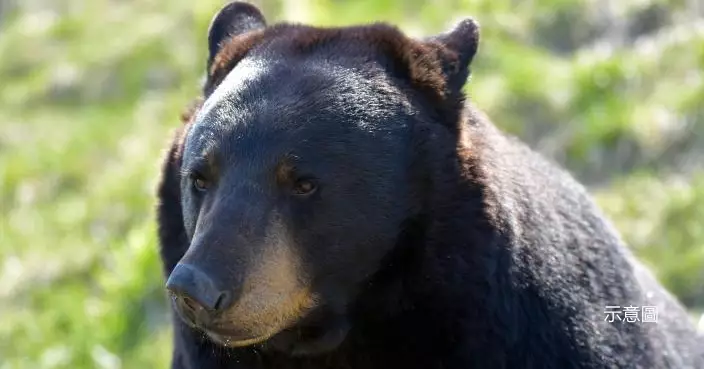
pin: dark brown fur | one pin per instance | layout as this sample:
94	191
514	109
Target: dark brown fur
505	262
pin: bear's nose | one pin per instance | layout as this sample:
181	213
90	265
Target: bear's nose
198	298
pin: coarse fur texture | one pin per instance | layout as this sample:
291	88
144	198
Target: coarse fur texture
434	241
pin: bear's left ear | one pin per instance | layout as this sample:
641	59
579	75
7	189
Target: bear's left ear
233	19
460	44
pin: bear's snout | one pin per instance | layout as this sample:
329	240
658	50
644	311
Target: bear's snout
197	296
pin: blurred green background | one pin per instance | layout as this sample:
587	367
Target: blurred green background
91	90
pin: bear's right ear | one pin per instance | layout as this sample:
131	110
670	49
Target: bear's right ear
233	19
462	42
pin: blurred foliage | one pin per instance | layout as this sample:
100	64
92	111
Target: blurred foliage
91	91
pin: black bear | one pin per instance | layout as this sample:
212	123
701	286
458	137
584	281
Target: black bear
333	201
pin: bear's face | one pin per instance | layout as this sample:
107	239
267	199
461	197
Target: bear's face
297	174
295	183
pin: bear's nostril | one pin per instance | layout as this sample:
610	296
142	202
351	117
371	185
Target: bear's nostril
190	303
223	301
184	310
193	313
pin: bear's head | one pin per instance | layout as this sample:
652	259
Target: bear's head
300	169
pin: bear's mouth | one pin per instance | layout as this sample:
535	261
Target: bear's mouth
319	333
232	339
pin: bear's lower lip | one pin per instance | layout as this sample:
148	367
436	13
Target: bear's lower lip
229	340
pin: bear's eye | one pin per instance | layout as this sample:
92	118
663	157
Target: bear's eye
200	184
305	186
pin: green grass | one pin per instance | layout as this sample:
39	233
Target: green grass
92	90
